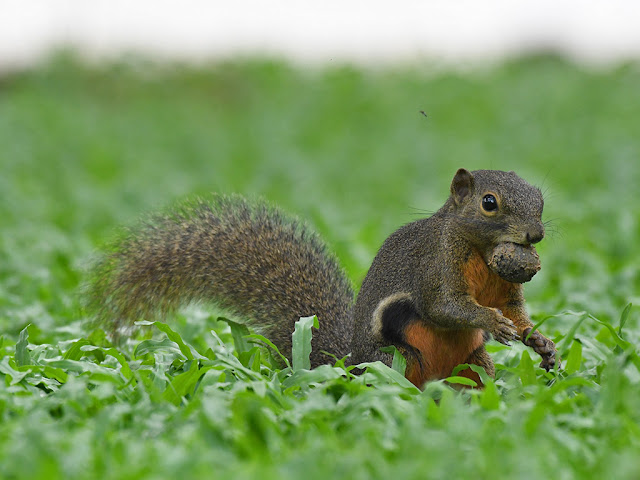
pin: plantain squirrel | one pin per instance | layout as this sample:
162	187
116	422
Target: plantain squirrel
436	290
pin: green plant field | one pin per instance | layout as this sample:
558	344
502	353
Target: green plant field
86	149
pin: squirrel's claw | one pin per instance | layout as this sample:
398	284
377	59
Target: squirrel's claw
504	331
542	346
548	362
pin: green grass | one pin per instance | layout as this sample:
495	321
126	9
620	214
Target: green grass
87	149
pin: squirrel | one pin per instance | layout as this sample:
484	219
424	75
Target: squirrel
429	292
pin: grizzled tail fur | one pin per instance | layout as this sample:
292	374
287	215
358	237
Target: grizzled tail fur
247	257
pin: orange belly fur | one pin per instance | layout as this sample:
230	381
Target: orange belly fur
441	350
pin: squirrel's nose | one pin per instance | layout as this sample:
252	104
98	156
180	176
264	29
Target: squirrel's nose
535	234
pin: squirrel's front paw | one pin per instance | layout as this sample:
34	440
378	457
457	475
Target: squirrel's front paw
504	330
542	346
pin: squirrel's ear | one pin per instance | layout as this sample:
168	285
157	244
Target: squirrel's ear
462	185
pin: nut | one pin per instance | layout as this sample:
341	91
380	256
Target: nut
515	263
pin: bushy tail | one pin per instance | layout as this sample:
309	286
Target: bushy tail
248	258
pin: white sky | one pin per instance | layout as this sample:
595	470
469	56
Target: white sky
370	32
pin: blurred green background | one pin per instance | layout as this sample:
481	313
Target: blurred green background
85	149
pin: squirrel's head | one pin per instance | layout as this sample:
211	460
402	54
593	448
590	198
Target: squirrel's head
497	207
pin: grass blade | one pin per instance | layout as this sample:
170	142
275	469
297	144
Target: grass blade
624	317
22	352
301	339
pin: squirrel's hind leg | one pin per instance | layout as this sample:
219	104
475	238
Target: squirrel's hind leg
481	358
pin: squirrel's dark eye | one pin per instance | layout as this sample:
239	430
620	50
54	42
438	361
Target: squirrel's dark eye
489	203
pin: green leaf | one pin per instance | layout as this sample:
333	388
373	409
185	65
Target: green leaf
540	323
387	374
484	377
482	373
270	344
239	332
156	346
22	352
251	359
56	373
605	338
624	317
183	384
535	418
125	368
526	369
574	358
568	339
490	398
106	376
163	327
461	381
15	375
71	365
75	352
399	364
301	343
321	374
623	344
